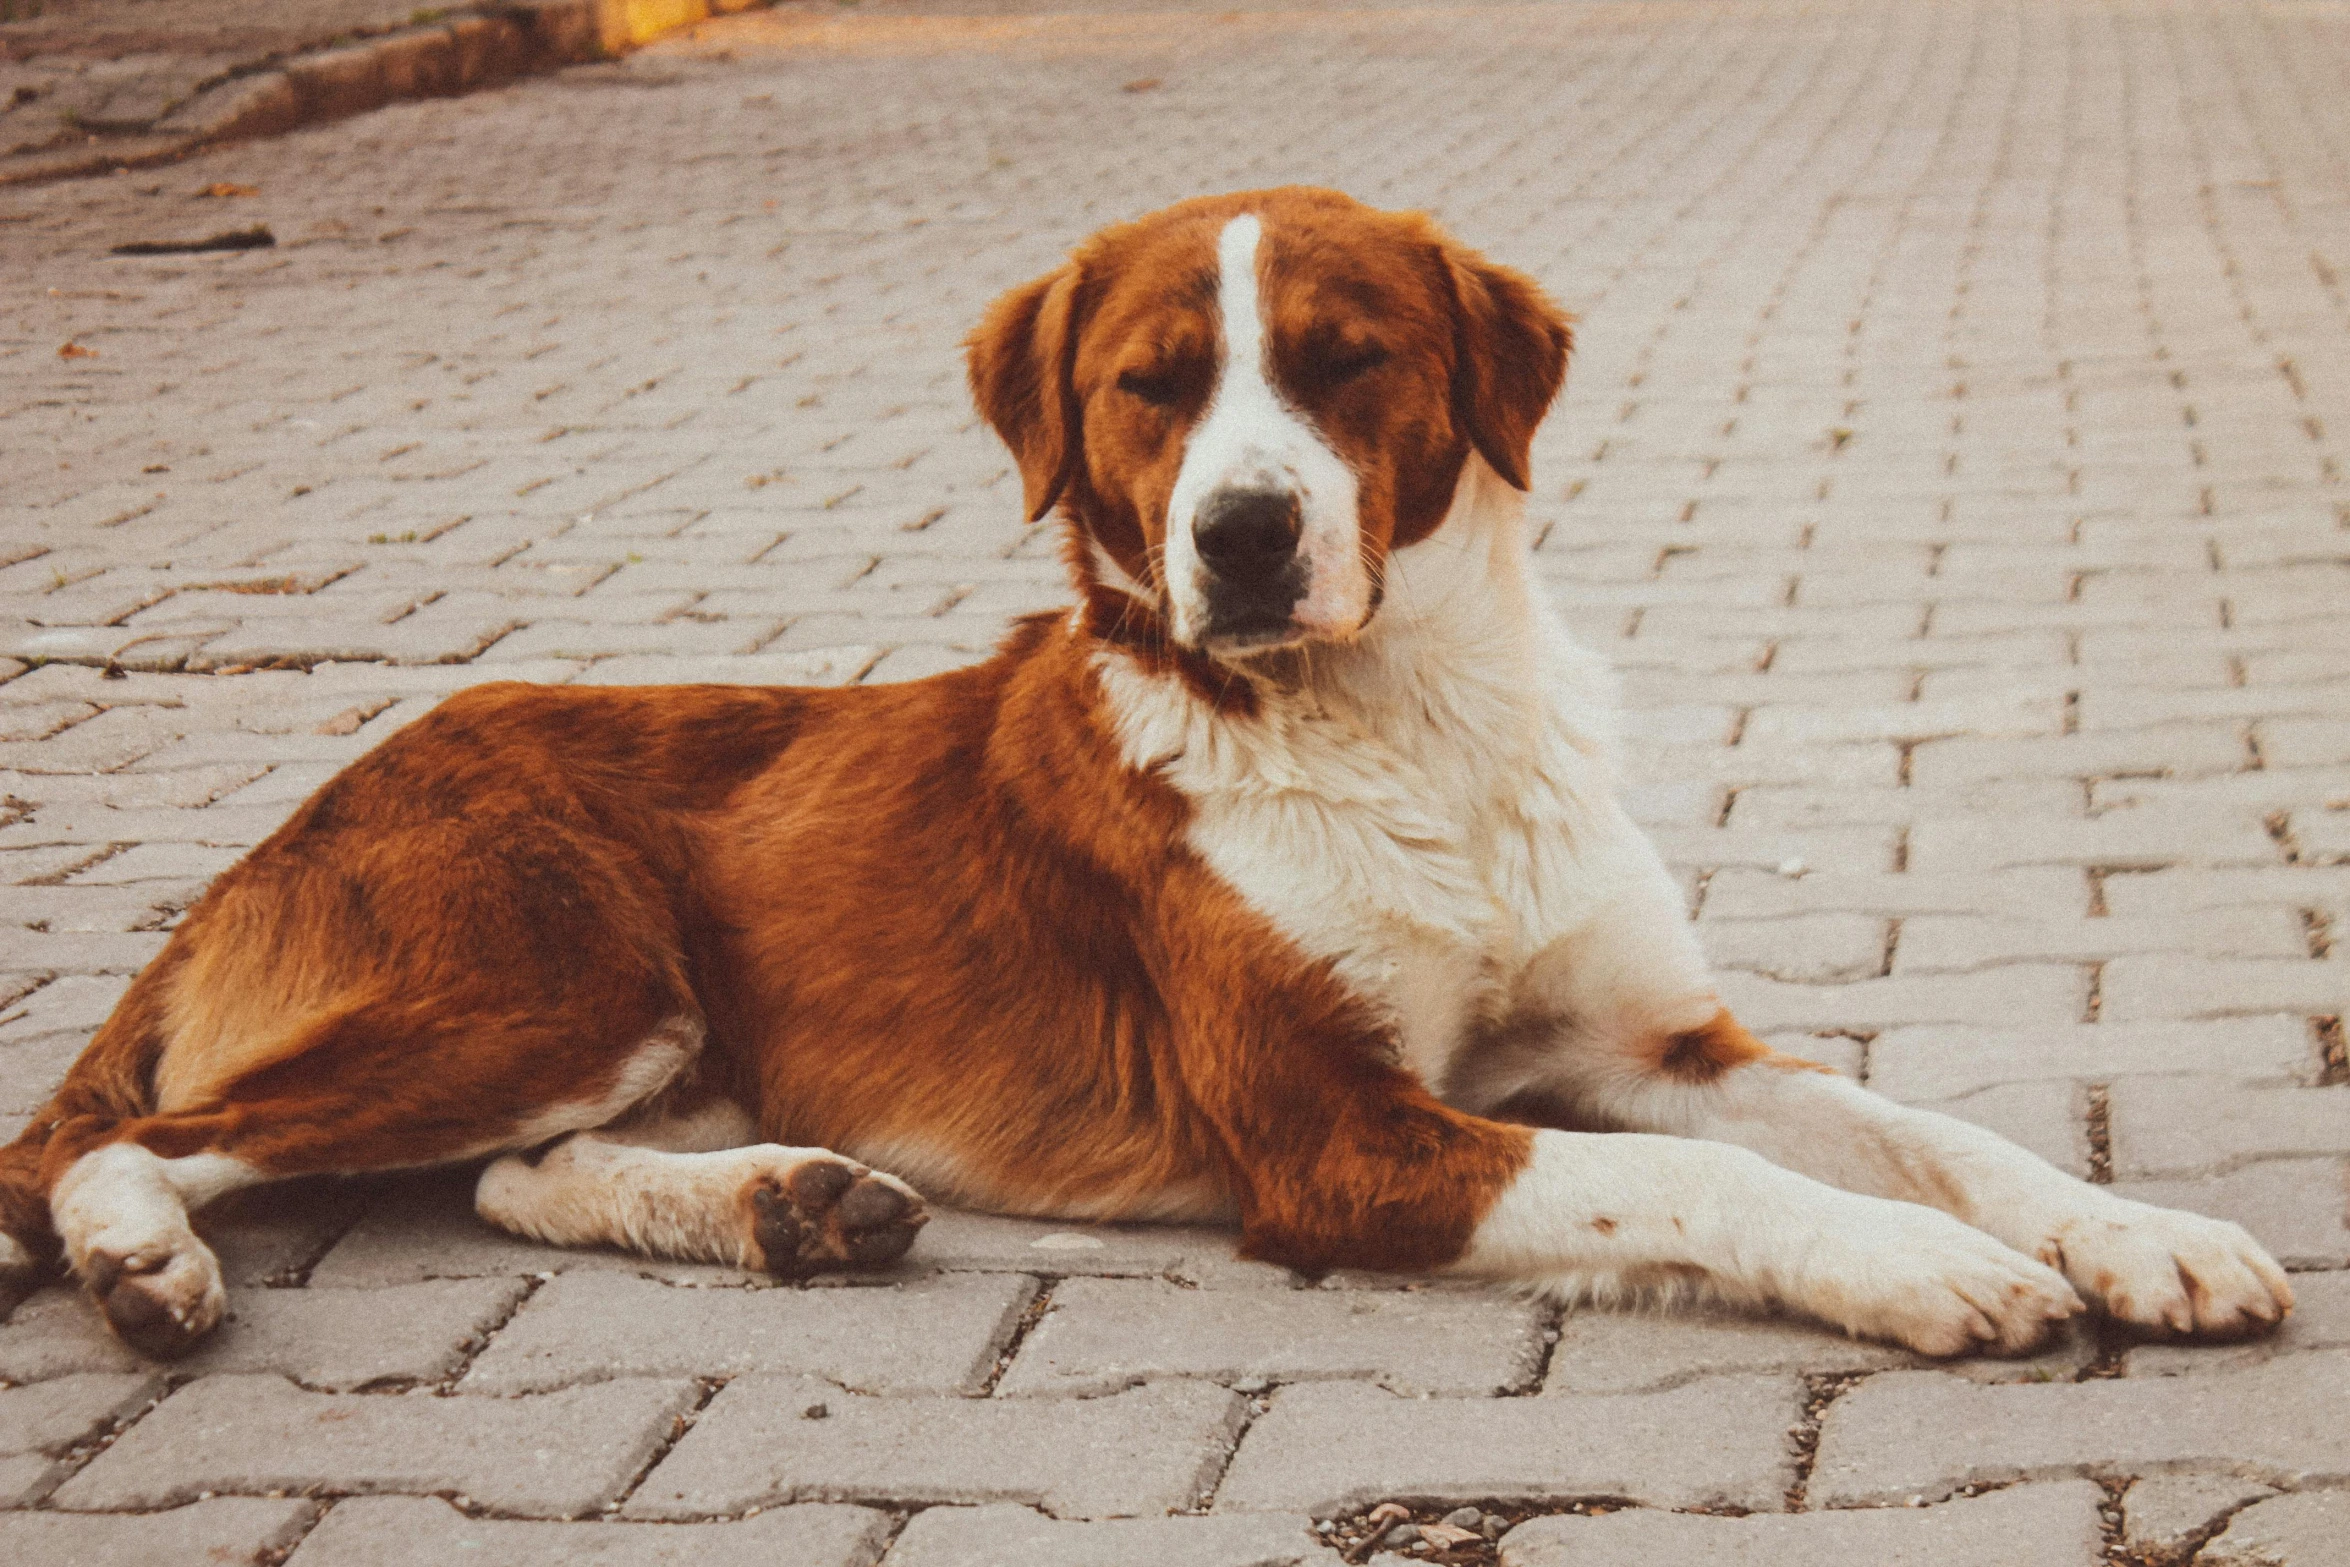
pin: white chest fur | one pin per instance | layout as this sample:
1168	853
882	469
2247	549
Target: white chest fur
1430	808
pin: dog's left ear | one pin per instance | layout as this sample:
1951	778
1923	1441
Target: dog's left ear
1021	361
1510	347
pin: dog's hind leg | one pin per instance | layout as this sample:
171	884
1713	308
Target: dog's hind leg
692	1185
379	1086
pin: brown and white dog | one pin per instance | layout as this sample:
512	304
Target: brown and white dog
1280	880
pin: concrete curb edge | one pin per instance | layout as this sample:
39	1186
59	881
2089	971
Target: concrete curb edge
486	45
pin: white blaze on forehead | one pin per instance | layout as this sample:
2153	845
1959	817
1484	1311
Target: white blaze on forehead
1252	439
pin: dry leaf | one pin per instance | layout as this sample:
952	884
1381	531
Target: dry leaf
1442	1535
72	350
1141	84
224	188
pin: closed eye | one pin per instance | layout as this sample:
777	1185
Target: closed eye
1159	388
1344	364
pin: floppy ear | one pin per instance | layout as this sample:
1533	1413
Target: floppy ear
1510	348
1021	355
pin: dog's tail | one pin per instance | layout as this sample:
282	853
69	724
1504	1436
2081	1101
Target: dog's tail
112	1081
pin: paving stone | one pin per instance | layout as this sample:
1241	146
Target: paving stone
1920	1433
1955	944
1941	1062
224	1531
1639	1352
2023	993
2183	985
549	1454
403	1531
2163	1515
931	1335
766	1440
1804	949
332	1339
2320	1320
2174	1125
1099	1335
2022	1526
272	1234
1008	1536
40	1421
2298	1208
1331	1447
2284	1531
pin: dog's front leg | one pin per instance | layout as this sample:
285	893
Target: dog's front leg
2158	1269
1612	1214
1624	1032
1340	1157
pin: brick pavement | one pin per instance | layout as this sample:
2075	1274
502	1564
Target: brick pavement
1952	461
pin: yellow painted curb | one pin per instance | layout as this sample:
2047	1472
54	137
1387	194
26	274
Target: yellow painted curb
627	24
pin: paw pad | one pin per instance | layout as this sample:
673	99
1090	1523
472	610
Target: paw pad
828	1213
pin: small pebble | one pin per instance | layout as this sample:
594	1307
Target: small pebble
1401	1535
815	1412
1464	1518
1491	1528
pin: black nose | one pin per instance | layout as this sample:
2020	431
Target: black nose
1247	534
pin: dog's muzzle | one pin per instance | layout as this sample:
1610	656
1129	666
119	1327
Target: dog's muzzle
1254	575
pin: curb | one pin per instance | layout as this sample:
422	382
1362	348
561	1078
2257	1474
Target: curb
486	45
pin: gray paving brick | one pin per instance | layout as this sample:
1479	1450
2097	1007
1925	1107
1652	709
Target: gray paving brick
1009	1536
41	1421
2284	1531
549	1454
1920	1064
332	1339
2320	1320
1099	1335
932	1335
1920	1433
403	1531
2164	1515
2185	986
1642	1352
224	1531
2023	993
1331	1447
2172	1125
766	1440
2022	1526
2298	1208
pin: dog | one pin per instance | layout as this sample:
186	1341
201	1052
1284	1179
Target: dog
1279	881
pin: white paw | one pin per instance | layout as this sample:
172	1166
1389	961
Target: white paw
1923	1279
2169	1272
162	1297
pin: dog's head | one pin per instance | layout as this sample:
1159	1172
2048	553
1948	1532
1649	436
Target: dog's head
1243	403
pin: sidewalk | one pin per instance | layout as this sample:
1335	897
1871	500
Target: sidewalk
1953	460
88	86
